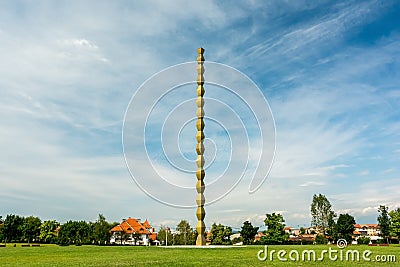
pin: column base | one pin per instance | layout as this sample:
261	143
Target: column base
200	241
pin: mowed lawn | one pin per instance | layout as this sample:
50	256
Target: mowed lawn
52	255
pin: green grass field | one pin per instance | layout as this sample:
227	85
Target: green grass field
52	255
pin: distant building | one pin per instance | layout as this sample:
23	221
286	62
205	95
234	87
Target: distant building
368	229
258	236
292	231
125	233
371	230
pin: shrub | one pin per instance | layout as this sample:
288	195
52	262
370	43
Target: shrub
363	240
321	239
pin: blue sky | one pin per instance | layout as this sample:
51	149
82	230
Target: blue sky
330	71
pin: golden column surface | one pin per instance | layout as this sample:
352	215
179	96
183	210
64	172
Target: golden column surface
200	200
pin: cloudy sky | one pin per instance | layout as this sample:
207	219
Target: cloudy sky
329	70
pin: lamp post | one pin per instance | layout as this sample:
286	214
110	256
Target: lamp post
200	186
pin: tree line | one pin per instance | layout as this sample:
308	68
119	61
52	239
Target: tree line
331	229
15	228
328	226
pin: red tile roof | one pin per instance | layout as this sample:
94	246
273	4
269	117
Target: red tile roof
146	224
116	228
369	225
153	236
131	225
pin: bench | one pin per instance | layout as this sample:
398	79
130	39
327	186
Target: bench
23	245
35	245
383	245
2	245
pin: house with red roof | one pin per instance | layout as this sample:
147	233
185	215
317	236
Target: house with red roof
292	231
132	232
370	230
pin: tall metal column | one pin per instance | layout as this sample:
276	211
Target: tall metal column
200	186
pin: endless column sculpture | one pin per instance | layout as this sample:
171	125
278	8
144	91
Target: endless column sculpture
200	186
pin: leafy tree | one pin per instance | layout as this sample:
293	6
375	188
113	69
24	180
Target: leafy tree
322	213
321	239
248	233
220	234
345	227
136	236
74	232
363	240
1	228
331	230
30	228
275	233
395	223
302	230
12	228
82	233
384	222
186	234
122	237
101	227
48	232
164	235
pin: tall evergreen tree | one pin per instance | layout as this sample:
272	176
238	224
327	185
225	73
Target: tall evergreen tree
384	222
248	233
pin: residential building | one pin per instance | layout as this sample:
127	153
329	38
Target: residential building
132	232
367	230
291	231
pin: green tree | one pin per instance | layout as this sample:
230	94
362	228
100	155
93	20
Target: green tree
136	236
101	228
74	232
248	233
185	235
320	239
275	233
30	228
322	214
395	223
220	234
12	228
345	227
363	240
82	233
164	235
331	230
302	230
384	222
48	232
1	229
